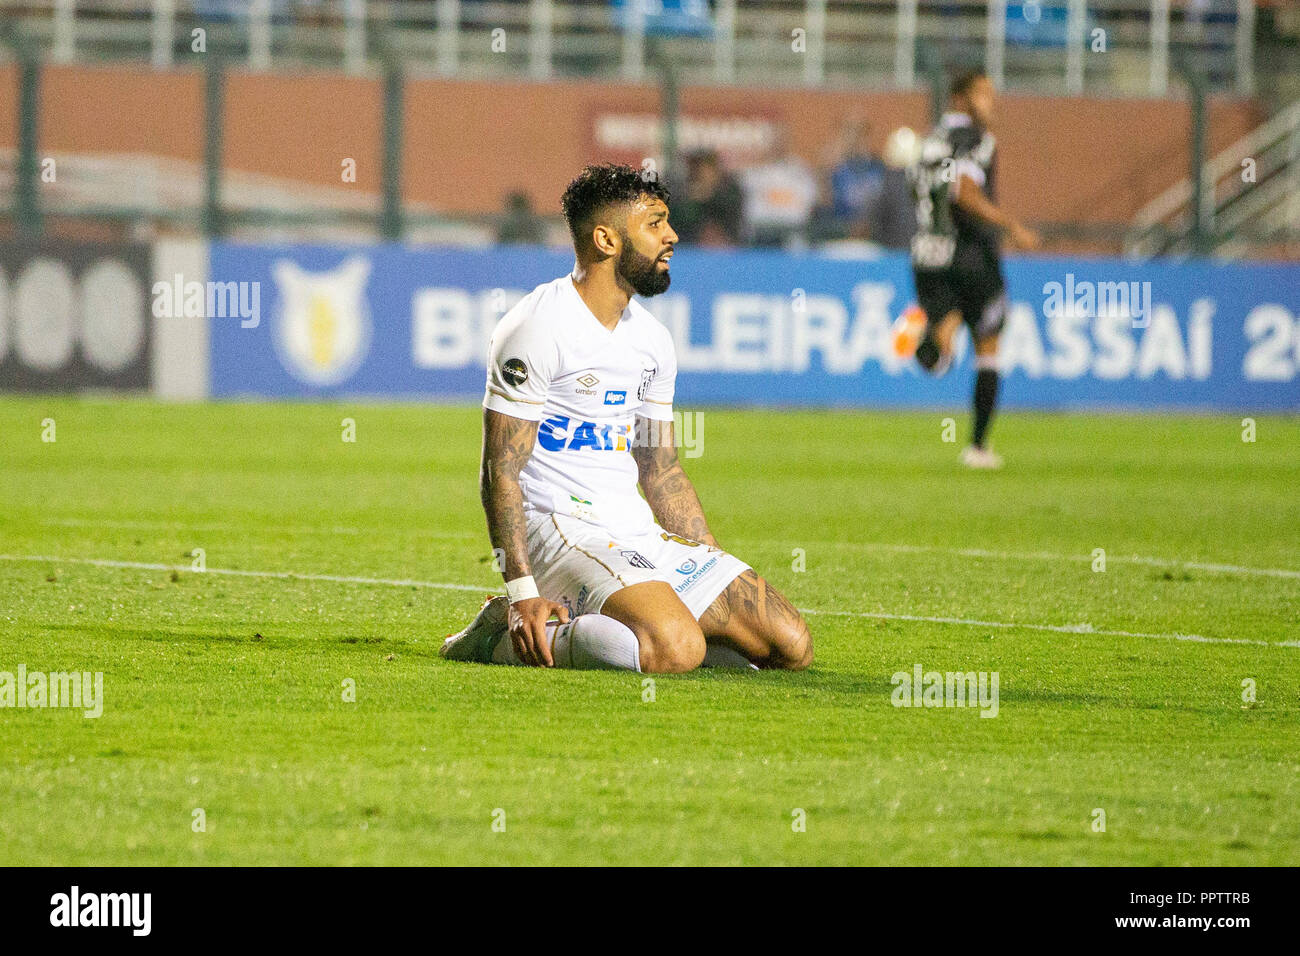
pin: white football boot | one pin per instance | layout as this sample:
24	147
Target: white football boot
982	458
479	640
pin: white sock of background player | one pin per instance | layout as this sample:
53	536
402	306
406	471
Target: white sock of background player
588	642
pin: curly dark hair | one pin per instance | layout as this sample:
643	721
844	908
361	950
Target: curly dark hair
599	187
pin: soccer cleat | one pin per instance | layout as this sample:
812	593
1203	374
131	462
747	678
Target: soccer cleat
983	458
908	329
479	640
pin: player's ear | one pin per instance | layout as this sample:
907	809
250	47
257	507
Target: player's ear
605	239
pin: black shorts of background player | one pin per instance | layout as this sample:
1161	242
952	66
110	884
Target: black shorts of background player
956	259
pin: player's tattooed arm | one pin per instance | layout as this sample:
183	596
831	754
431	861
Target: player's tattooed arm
507	443
668	490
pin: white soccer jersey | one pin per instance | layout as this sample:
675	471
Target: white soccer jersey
551	361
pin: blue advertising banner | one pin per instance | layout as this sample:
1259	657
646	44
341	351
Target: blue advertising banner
758	327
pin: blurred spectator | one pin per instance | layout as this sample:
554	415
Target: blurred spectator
311	13
857	181
824	226
894	219
780	194
520	225
708	211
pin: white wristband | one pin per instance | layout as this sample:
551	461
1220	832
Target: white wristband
521	589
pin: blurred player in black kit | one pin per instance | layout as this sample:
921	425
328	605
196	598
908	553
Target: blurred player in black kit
955	253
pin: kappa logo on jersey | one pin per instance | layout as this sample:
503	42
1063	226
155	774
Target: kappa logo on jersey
560	432
322	328
647	376
637	559
613	397
514	371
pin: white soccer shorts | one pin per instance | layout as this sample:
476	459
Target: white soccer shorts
579	564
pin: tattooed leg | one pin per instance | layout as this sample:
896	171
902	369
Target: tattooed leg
755	619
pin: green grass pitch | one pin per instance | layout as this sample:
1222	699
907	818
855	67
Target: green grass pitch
224	692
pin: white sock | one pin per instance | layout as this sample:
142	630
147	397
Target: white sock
588	642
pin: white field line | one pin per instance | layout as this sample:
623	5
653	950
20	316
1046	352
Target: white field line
1214	567
227	528
446	586
1053	628
1207	566
284	575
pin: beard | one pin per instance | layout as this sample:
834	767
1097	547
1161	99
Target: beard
641	272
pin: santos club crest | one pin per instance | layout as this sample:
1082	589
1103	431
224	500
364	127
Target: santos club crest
647	376
322	327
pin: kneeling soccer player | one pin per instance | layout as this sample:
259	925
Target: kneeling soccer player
579	375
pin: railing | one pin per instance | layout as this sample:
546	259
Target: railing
1249	190
142	191
1057	46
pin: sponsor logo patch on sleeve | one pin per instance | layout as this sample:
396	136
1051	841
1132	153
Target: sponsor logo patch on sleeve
514	371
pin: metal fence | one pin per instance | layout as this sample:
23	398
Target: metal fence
1055	46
